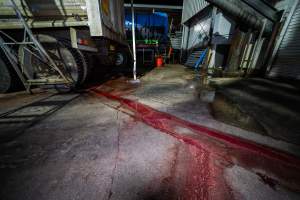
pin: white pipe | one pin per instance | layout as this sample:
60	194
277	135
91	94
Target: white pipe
239	11
133	41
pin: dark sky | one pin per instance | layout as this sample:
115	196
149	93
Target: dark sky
160	2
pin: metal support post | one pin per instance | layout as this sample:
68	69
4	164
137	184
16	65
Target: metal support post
133	41
250	64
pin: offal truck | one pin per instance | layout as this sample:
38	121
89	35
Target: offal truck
44	41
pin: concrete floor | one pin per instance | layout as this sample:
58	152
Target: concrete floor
274	105
175	90
112	142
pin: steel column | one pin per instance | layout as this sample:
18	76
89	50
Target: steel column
133	41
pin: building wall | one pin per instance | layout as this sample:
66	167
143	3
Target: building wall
192	7
199	33
196	29
286	63
223	29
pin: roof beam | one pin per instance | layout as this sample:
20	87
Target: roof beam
153	6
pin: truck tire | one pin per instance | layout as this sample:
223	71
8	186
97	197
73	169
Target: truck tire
122	59
71	61
9	81
75	64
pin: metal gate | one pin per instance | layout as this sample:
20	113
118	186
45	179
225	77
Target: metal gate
287	61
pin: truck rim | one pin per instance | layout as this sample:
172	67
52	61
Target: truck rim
69	60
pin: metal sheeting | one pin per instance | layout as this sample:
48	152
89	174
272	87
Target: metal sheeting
199	33
192	7
104	17
63	13
176	40
45	8
185	35
287	61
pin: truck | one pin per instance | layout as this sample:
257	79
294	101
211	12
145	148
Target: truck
73	33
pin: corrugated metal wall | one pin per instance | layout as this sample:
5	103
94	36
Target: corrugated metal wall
199	32
287	61
196	30
192	7
185	35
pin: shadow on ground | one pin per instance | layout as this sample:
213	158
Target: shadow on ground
15	122
274	106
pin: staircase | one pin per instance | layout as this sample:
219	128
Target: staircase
176	40
194	57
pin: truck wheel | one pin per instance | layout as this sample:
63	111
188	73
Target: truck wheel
9	81
75	64
121	59
71	61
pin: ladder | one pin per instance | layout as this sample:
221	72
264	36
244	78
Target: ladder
8	45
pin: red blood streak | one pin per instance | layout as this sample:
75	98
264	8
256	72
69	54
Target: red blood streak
166	123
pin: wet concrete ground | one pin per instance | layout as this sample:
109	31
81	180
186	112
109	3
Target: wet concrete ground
272	104
113	142
16	100
175	90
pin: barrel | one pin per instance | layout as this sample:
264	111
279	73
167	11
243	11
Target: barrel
159	62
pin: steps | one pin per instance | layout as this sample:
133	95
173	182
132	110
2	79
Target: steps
176	40
193	57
